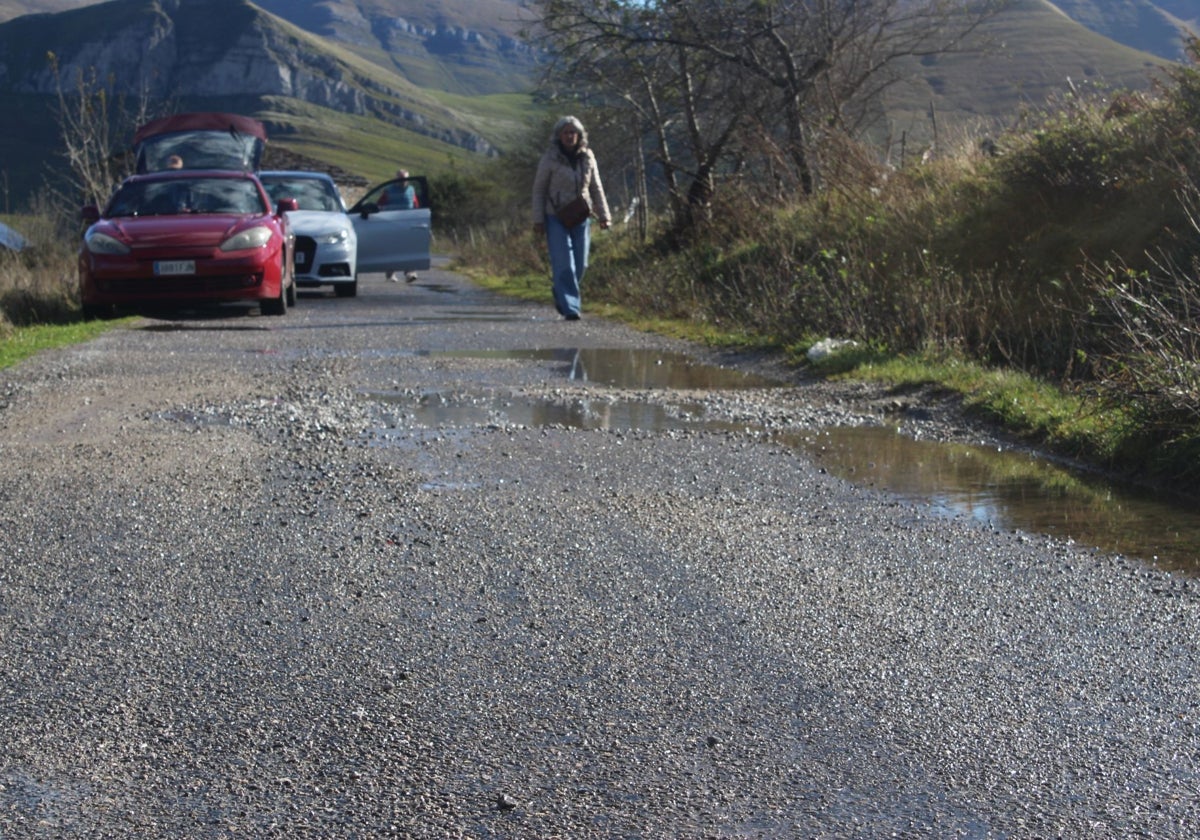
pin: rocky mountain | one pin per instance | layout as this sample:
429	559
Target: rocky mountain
463	46
1160	27
342	91
401	28
192	49
418	79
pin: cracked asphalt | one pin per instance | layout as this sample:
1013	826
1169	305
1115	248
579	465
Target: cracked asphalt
380	567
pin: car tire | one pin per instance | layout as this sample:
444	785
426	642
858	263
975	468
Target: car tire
346	289
291	293
276	305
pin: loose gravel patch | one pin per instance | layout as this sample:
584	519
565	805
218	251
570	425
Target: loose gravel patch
247	590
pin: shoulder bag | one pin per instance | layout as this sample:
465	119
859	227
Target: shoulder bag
574	212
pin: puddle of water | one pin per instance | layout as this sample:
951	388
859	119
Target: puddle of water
1013	490
438	411
635	369
1007	488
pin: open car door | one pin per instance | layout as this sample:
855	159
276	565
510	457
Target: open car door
392	222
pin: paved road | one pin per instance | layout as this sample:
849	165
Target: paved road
346	574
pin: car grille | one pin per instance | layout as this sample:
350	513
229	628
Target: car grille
307	246
306	250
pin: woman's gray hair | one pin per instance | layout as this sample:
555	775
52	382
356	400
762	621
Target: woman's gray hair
569	121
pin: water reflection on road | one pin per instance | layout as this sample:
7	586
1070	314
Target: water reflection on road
1014	489
1010	489
629	368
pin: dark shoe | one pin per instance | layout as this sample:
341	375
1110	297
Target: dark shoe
572	316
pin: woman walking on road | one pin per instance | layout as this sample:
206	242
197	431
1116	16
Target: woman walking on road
566	193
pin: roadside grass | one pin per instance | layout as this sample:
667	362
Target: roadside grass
1050	285
39	309
1067	423
38	284
19	343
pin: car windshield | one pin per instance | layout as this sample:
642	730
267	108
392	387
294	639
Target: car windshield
176	196
310	193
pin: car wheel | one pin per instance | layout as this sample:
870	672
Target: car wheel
346	289
276	305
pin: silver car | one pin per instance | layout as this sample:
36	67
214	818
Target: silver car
388	230
326	244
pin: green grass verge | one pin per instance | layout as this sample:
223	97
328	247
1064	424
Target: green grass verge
23	342
1067	423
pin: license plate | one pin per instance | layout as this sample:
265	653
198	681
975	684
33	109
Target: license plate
166	268
299	258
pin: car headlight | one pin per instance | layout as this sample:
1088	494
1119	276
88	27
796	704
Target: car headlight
254	237
339	238
102	243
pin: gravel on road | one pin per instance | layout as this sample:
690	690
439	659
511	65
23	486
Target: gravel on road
249	589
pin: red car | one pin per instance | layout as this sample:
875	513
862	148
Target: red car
180	237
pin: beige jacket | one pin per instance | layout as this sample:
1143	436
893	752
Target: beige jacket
558	183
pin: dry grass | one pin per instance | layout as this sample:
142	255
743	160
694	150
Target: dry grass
38	285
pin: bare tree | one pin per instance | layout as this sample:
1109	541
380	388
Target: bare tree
89	117
683	102
799	68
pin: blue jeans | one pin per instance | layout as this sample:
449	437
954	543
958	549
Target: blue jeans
568	262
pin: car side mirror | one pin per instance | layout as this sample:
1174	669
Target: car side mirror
367	209
287	205
90	214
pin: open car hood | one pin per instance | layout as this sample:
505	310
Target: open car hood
202	140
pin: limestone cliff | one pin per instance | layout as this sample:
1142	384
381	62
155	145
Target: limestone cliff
177	49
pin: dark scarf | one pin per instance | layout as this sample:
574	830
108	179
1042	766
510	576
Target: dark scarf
572	155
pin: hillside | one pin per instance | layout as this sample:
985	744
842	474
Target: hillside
461	46
230	54
364	84
1027	57
409	33
468	47
1154	26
